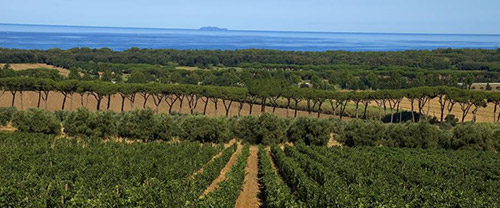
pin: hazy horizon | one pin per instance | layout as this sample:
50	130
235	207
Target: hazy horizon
357	16
246	30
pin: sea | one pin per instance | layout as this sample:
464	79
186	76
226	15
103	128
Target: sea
119	38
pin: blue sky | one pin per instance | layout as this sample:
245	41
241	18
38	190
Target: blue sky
406	16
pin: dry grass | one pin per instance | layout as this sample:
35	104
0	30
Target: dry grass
18	67
30	100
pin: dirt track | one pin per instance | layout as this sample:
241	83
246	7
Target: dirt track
250	190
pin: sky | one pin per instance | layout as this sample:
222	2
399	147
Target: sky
386	16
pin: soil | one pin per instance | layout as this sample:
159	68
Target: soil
222	176
250	191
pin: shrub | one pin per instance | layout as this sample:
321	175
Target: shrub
61	115
106	124
6	114
472	136
246	128
310	131
206	129
36	121
496	139
137	124
79	123
166	127
363	133
395	135
420	135
272	129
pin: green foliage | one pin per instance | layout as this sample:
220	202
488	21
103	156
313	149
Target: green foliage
362	133
272	129
137	77
61	115
351	177
6	114
63	173
310	131
36	121
470	136
137	124
228	191
206	129
276	193
82	122
167	127
413	135
246	128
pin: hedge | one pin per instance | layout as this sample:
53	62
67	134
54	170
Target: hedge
264	129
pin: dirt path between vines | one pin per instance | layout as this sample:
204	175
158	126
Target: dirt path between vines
222	176
229	144
249	194
275	168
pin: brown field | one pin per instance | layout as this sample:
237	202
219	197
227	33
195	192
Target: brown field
17	67
30	100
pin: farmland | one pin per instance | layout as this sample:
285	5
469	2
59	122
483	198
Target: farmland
45	170
249	128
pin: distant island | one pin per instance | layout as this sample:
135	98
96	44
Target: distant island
213	28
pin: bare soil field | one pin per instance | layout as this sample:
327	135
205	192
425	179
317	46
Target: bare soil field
17	67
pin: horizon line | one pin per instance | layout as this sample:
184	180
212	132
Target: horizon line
243	30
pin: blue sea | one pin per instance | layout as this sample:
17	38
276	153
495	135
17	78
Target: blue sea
65	37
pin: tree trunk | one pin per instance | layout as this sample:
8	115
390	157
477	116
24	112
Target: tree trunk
263	106
240	107
205	107
64	101
13	98
319	108
123	103
109	102
39	99
98	104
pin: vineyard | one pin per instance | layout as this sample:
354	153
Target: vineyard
48	171
374	177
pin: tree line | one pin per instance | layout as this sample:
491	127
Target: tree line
462	59
268	93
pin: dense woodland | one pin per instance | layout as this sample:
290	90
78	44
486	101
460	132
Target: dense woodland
323	70
462	59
